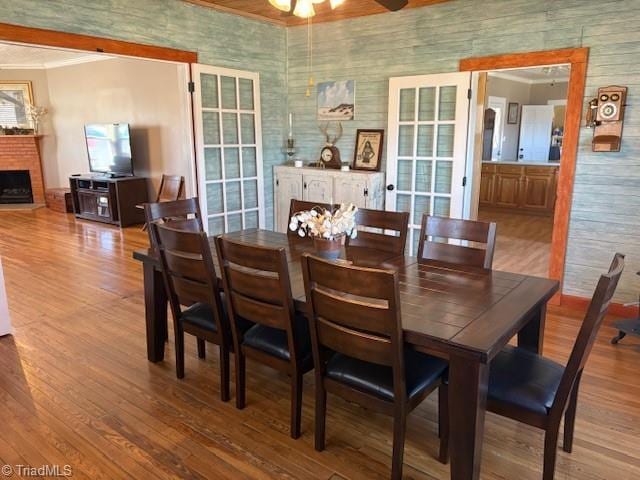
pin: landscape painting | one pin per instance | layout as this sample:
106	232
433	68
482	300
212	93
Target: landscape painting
336	100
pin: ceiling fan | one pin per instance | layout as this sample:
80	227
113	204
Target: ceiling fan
304	8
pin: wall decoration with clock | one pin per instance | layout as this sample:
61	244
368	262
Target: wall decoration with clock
606	117
329	154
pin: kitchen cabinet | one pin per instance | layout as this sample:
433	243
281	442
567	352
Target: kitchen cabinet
363	189
515	187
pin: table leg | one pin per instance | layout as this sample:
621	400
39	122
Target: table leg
155	304
467	406
531	337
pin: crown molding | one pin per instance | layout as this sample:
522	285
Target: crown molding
515	78
56	64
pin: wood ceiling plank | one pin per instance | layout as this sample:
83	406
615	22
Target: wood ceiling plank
262	10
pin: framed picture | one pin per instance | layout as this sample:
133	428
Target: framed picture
14	98
368	150
336	100
512	113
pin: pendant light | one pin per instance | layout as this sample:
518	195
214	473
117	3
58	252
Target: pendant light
284	5
336	3
304	9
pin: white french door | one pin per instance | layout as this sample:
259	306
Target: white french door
426	153
228	148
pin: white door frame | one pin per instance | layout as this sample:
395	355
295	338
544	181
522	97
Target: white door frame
502	103
462	112
196	69
461	80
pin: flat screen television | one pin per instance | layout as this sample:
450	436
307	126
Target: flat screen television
109	148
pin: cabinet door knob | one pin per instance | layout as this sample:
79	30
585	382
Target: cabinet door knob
391	187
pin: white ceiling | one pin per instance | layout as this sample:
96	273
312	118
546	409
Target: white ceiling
555	73
22	56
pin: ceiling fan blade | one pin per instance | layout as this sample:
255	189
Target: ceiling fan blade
393	5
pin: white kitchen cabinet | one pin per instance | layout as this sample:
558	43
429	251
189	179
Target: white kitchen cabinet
363	189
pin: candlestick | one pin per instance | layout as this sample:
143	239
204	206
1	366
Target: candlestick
290	125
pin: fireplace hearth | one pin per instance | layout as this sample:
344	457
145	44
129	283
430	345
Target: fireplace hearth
15	187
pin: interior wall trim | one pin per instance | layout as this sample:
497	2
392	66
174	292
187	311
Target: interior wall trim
578	58
75	41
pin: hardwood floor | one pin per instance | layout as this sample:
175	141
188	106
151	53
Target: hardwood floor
76	388
523	241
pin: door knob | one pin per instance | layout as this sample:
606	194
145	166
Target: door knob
390	188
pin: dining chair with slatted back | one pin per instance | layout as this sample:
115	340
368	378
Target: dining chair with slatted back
302	205
537	391
258	290
194	295
171	188
381	230
359	350
435	228
186	214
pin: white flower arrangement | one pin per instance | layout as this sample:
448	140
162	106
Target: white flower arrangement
35	113
319	222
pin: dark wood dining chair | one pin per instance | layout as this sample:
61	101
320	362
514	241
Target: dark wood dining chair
359	350
537	391
171	189
435	229
381	230
191	282
174	211
302	205
258	289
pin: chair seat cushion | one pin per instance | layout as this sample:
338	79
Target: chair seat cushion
421	371
200	315
523	379
274	341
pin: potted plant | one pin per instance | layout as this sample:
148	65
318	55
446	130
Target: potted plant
328	229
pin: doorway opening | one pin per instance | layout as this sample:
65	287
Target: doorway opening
479	67
522	133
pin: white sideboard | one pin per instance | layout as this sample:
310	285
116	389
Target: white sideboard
363	189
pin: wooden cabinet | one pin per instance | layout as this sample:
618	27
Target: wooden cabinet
109	200
317	187
487	185
363	189
519	187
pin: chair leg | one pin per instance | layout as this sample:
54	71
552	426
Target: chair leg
240	378
296	404
550	450
224	373
179	343
399	430
201	348
570	417
443	423
321	414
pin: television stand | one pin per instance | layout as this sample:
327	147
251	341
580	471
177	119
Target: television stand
110	200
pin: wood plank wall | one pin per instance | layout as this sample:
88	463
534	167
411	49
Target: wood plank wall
606	206
221	39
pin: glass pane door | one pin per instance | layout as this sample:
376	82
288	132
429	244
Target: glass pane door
229	148
428	119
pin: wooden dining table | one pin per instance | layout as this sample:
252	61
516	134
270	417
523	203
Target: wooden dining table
464	315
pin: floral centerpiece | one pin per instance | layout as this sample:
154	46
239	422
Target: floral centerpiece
328	229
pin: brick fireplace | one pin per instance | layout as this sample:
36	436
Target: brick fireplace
22	153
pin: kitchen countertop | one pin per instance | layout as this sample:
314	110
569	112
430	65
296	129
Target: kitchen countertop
525	164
